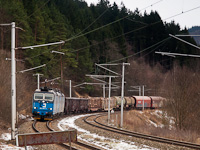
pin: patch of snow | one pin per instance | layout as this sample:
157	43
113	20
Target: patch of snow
153	123
157	113
161	114
100	141
141	112
21	116
3	146
171	120
6	136
30	119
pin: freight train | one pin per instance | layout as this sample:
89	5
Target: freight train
48	103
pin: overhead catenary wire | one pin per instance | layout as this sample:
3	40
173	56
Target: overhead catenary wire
150	5
138	29
72	38
132	30
151	25
95	29
108	23
183	12
140	51
128	16
123	18
155	48
35	11
75	35
31	14
92	23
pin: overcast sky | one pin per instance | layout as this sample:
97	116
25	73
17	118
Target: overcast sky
166	9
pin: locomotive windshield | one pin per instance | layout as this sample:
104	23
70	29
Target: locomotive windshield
38	96
43	96
49	97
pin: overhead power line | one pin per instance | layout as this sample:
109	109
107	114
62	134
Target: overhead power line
150	5
138	29
95	29
35	11
128	16
92	23
140	51
183	12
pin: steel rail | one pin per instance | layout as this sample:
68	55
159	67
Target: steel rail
33	126
140	135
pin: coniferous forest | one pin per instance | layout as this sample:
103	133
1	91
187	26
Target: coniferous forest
101	33
94	34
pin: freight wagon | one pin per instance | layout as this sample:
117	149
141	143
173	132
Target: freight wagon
75	105
105	103
94	104
142	100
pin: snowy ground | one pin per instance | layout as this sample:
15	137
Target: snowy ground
7	137
160	114
103	142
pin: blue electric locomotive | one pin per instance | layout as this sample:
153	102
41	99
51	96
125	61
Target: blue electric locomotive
47	103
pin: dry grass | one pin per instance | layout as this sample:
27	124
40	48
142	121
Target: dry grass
136	121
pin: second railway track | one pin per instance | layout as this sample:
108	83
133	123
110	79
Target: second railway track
97	124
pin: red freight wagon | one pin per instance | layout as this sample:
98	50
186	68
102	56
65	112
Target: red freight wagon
139	101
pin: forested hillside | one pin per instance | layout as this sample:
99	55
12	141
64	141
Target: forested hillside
93	34
99	33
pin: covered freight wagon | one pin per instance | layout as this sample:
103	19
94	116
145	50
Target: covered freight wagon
140	99
157	101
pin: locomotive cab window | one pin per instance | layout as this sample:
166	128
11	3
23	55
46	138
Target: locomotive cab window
49	97
38	96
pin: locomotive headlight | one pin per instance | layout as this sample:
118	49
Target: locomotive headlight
34	107
50	108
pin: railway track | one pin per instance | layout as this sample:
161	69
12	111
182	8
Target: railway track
97	124
72	146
